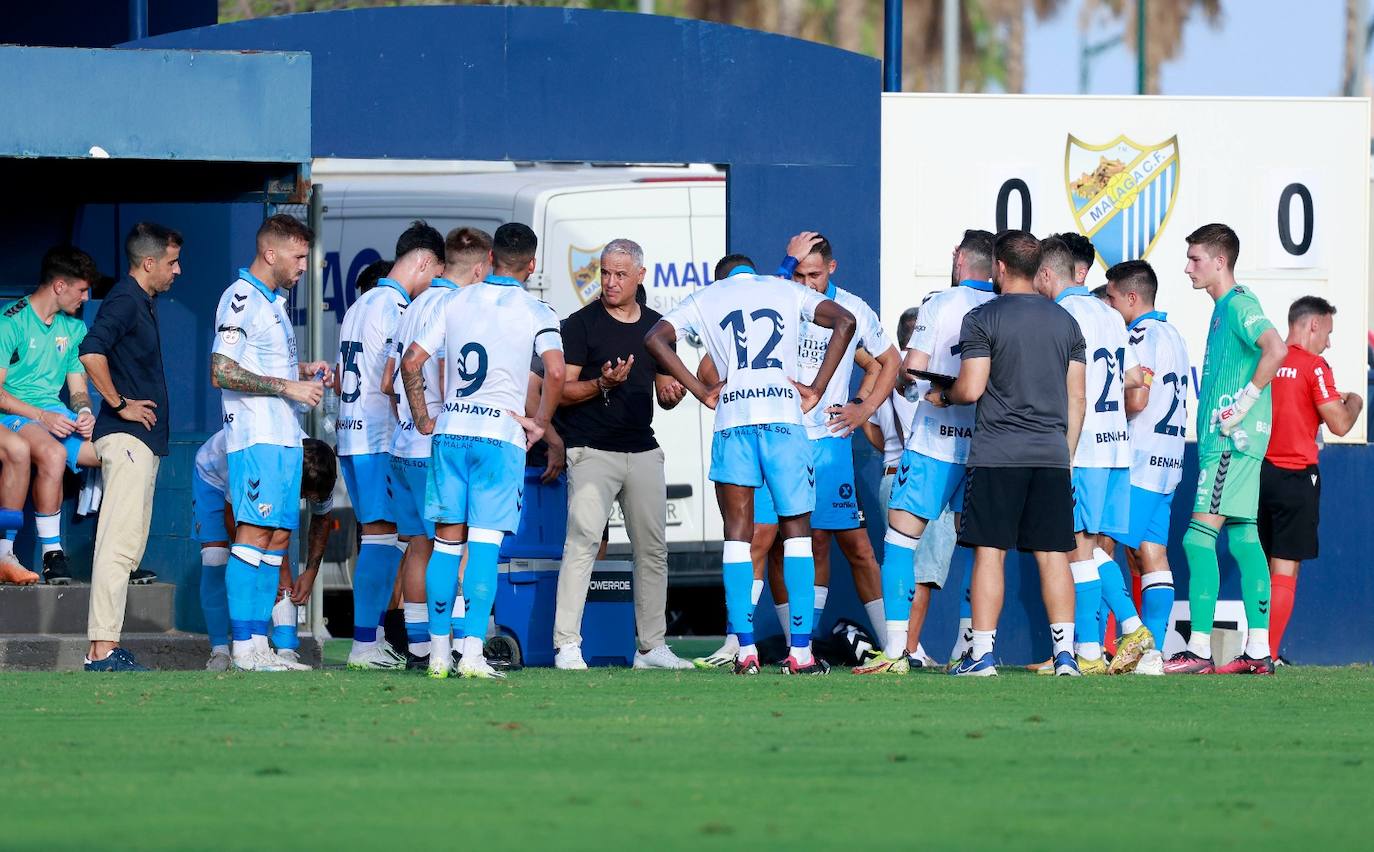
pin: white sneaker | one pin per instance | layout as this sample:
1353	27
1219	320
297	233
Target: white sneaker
258	660
219	662
480	668
661	657
374	657
722	656
440	666
291	660
1151	663
568	658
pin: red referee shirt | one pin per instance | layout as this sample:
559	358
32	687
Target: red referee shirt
1303	383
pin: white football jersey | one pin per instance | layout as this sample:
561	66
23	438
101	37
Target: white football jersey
212	464
1104	441
893	419
366	338
253	329
1158	431
427	309
813	341
944	433
488	332
750	324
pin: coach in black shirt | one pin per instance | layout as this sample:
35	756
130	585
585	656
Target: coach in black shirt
1022	362
122	354
606	422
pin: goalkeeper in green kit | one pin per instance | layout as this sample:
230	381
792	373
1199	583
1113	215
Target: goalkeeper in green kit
1234	421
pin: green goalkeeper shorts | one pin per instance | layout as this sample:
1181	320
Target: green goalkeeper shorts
1228	485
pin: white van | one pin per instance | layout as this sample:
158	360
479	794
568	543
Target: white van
676	213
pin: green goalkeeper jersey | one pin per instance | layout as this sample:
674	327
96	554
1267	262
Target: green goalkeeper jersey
37	356
1233	352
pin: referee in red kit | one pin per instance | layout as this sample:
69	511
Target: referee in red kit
1304	398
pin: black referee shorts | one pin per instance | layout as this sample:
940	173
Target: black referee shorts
1018	508
1289	501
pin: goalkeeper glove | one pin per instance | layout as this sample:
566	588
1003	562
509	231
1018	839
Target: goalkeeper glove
1241	403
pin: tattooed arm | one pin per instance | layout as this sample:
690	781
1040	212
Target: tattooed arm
413	378
226	374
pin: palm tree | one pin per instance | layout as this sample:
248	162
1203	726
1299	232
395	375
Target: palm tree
1164	23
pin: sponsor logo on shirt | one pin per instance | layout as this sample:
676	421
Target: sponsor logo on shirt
757	393
1169	462
468	408
1111	437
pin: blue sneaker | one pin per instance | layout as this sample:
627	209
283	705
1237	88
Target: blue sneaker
119	660
984	666
1065	665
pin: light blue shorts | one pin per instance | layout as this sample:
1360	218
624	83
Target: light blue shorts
408	482
1149	518
368	479
265	486
1102	500
72	443
475	481
207	512
925	487
837	502
775	454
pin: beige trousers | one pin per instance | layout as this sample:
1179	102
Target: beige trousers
596	479
129	469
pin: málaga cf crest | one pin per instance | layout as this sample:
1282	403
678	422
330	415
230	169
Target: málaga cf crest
584	269
1121	193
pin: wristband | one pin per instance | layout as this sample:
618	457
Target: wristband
123	404
85	409
858	400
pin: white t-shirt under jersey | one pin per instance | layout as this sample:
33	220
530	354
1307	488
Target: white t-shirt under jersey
488	333
1104	441
814	340
365	423
427	309
893	418
750	325
253	329
1158	432
944	433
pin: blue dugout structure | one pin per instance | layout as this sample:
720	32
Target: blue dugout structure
797	124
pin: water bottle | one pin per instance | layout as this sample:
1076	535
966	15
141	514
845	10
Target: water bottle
331	405
1240	440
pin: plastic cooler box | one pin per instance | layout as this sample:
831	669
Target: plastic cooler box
527	585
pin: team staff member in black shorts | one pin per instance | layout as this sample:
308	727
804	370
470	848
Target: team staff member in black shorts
1305	398
1023	363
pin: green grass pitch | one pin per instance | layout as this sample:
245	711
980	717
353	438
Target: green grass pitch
615	759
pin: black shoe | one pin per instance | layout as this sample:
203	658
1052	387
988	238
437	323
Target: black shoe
55	570
1281	662
416	663
142	577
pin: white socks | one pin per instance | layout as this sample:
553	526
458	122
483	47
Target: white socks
894	646
1257	642
785	619
1090	650
49	529
1201	644
983	641
964	640
1062	634
756	592
1130	625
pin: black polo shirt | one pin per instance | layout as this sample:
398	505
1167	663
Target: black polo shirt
125	332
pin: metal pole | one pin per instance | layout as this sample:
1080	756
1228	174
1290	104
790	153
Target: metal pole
892	45
1140	47
314	319
138	19
646	7
950	47
1361	47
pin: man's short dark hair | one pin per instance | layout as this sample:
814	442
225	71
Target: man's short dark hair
727	264
1019	252
513	246
320	469
977	248
284	226
67	262
1310	306
1080	246
466	245
371	274
822	248
1100	292
149	239
1135	276
420	236
1056	256
1219	240
906	326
